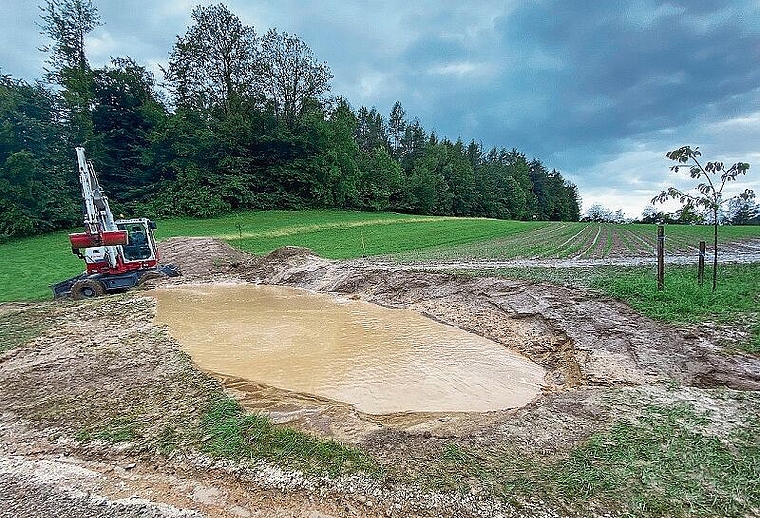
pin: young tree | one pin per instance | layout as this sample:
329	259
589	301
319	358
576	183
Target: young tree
709	193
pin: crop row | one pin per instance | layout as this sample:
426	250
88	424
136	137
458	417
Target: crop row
563	240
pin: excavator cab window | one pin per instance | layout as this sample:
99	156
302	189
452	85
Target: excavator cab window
137	247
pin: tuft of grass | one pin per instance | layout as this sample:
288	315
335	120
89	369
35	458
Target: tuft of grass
114	430
168	439
231	433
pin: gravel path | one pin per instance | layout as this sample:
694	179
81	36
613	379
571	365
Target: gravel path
44	488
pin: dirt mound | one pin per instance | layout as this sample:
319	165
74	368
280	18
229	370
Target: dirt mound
202	258
286	253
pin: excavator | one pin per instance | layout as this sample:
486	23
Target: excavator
119	254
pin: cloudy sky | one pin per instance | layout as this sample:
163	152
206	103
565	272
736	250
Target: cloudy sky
599	90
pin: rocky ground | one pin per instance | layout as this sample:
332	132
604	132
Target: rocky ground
100	412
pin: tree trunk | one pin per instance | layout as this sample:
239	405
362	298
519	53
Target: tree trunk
715	249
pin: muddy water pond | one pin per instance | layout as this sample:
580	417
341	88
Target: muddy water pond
380	360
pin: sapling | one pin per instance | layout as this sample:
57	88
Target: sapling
707	194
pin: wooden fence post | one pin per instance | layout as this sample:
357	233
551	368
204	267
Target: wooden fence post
701	269
660	258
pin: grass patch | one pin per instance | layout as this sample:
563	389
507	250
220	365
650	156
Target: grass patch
18	327
231	433
657	463
113	430
29	266
734	303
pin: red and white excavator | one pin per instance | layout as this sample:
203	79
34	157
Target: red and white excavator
119	254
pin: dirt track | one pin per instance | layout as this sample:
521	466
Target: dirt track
102	360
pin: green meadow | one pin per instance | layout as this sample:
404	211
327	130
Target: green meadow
29	266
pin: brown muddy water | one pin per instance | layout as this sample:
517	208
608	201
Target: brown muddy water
380	360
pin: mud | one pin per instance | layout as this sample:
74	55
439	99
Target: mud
580	338
103	365
380	360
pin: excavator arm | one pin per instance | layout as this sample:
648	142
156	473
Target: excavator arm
100	227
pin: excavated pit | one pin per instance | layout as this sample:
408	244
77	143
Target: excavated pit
101	370
379	360
583	341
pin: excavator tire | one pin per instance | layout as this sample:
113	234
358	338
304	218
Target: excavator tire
86	289
150	276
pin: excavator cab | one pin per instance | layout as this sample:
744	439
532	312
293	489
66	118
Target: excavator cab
140	243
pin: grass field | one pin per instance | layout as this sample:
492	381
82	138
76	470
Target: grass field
29	266
342	235
588	241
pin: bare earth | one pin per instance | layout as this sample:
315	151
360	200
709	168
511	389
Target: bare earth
100	362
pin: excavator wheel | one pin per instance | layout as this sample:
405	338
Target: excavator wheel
86	289
150	276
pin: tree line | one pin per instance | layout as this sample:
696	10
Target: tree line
736	212
242	121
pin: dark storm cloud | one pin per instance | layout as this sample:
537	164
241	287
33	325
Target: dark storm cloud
625	71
